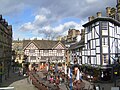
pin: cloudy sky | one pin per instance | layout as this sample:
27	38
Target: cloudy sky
49	18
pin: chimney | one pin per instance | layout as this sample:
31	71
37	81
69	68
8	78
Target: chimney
6	23
108	9
9	27
0	17
3	20
99	14
91	18
118	10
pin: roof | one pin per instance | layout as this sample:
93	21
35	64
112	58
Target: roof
41	44
17	45
16	41
102	19
77	45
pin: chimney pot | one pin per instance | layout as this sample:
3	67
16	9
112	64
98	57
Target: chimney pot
91	18
108	10
9	27
0	17
99	14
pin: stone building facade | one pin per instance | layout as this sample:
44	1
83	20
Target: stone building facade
5	48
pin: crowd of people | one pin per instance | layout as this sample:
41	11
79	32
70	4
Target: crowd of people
56	78
62	78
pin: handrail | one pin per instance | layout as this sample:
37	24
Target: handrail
6	88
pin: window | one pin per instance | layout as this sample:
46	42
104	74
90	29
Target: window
89	61
32	51
45	51
50	51
33	57
54	51
105	58
81	60
59	51
104	25
94	46
89	45
37	51
89	29
104	41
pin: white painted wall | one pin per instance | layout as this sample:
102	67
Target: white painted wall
105	49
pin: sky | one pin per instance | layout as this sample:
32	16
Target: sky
45	19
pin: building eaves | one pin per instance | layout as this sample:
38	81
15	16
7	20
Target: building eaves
102	19
77	45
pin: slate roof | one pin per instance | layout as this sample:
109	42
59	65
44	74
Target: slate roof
17	45
77	45
41	44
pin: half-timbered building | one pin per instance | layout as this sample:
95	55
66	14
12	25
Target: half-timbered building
41	52
102	43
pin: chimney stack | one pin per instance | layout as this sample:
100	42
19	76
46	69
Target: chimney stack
0	17
99	14
108	10
9	27
6	23
91	18
118	10
3	20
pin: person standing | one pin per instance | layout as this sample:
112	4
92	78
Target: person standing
57	81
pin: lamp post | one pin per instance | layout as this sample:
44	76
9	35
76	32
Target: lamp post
115	69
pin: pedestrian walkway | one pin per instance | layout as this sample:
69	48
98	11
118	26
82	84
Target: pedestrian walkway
88	85
23	85
18	82
63	86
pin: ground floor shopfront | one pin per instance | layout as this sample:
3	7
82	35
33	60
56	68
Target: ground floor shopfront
101	74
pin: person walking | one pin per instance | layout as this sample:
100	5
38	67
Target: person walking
57	81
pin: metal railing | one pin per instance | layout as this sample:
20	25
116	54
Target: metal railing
6	88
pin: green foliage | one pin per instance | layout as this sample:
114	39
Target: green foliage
20	65
59	64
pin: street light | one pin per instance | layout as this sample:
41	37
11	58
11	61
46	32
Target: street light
115	72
